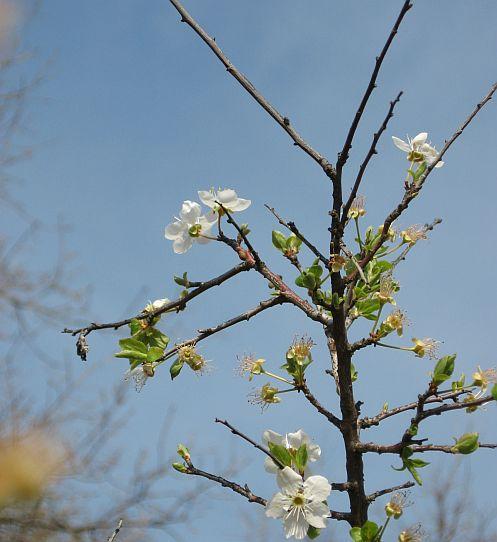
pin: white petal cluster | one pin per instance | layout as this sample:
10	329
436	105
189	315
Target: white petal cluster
300	503
417	149
292	442
193	226
228	198
156	305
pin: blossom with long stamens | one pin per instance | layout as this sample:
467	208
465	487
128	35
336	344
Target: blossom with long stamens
425	347
265	396
412	534
249	365
357	207
413	234
300	503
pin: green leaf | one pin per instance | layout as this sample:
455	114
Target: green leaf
180	467
466	444
182	281
414	473
133	344
279	240
443	369
135	326
353	372
131	355
281	454
312	532
293	243
418	463
175	368
154	354
157	338
301	458
356	534
369	531
494	392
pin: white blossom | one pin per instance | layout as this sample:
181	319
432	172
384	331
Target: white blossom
138	375
228	198
292	442
190	226
300	503
417	149
156	305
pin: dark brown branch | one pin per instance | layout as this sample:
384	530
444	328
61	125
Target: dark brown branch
293	228
456	406
371	152
382	492
446	449
375	420
318	406
276	280
178	304
413	190
244	317
284	122
417	448
344	154
244	491
235	431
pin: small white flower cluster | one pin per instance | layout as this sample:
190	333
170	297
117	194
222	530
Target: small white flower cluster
192	225
301	501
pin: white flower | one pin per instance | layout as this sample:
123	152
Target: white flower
156	305
227	197
138	375
189	227
292	442
300	503
417	149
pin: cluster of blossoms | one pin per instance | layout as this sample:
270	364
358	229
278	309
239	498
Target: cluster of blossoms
301	501
193	226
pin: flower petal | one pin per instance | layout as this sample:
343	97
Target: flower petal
207	197
270	466
439	164
190	211
182	244
241	204
290	482
271	436
295	440
313	452
316	514
278	506
296	525
402	145
419	140
227	197
174	230
317	488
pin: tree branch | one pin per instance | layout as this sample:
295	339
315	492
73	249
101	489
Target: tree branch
293	228
243	491
284	122
318	406
373	496
344	154
372	151
178	304
244	317
413	190
235	431
113	536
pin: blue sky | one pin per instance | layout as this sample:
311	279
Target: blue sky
135	115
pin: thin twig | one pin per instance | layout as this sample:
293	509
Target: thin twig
207	332
373	496
344	154
413	190
177	304
283	121
113	536
293	228
318	406
235	431
371	152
